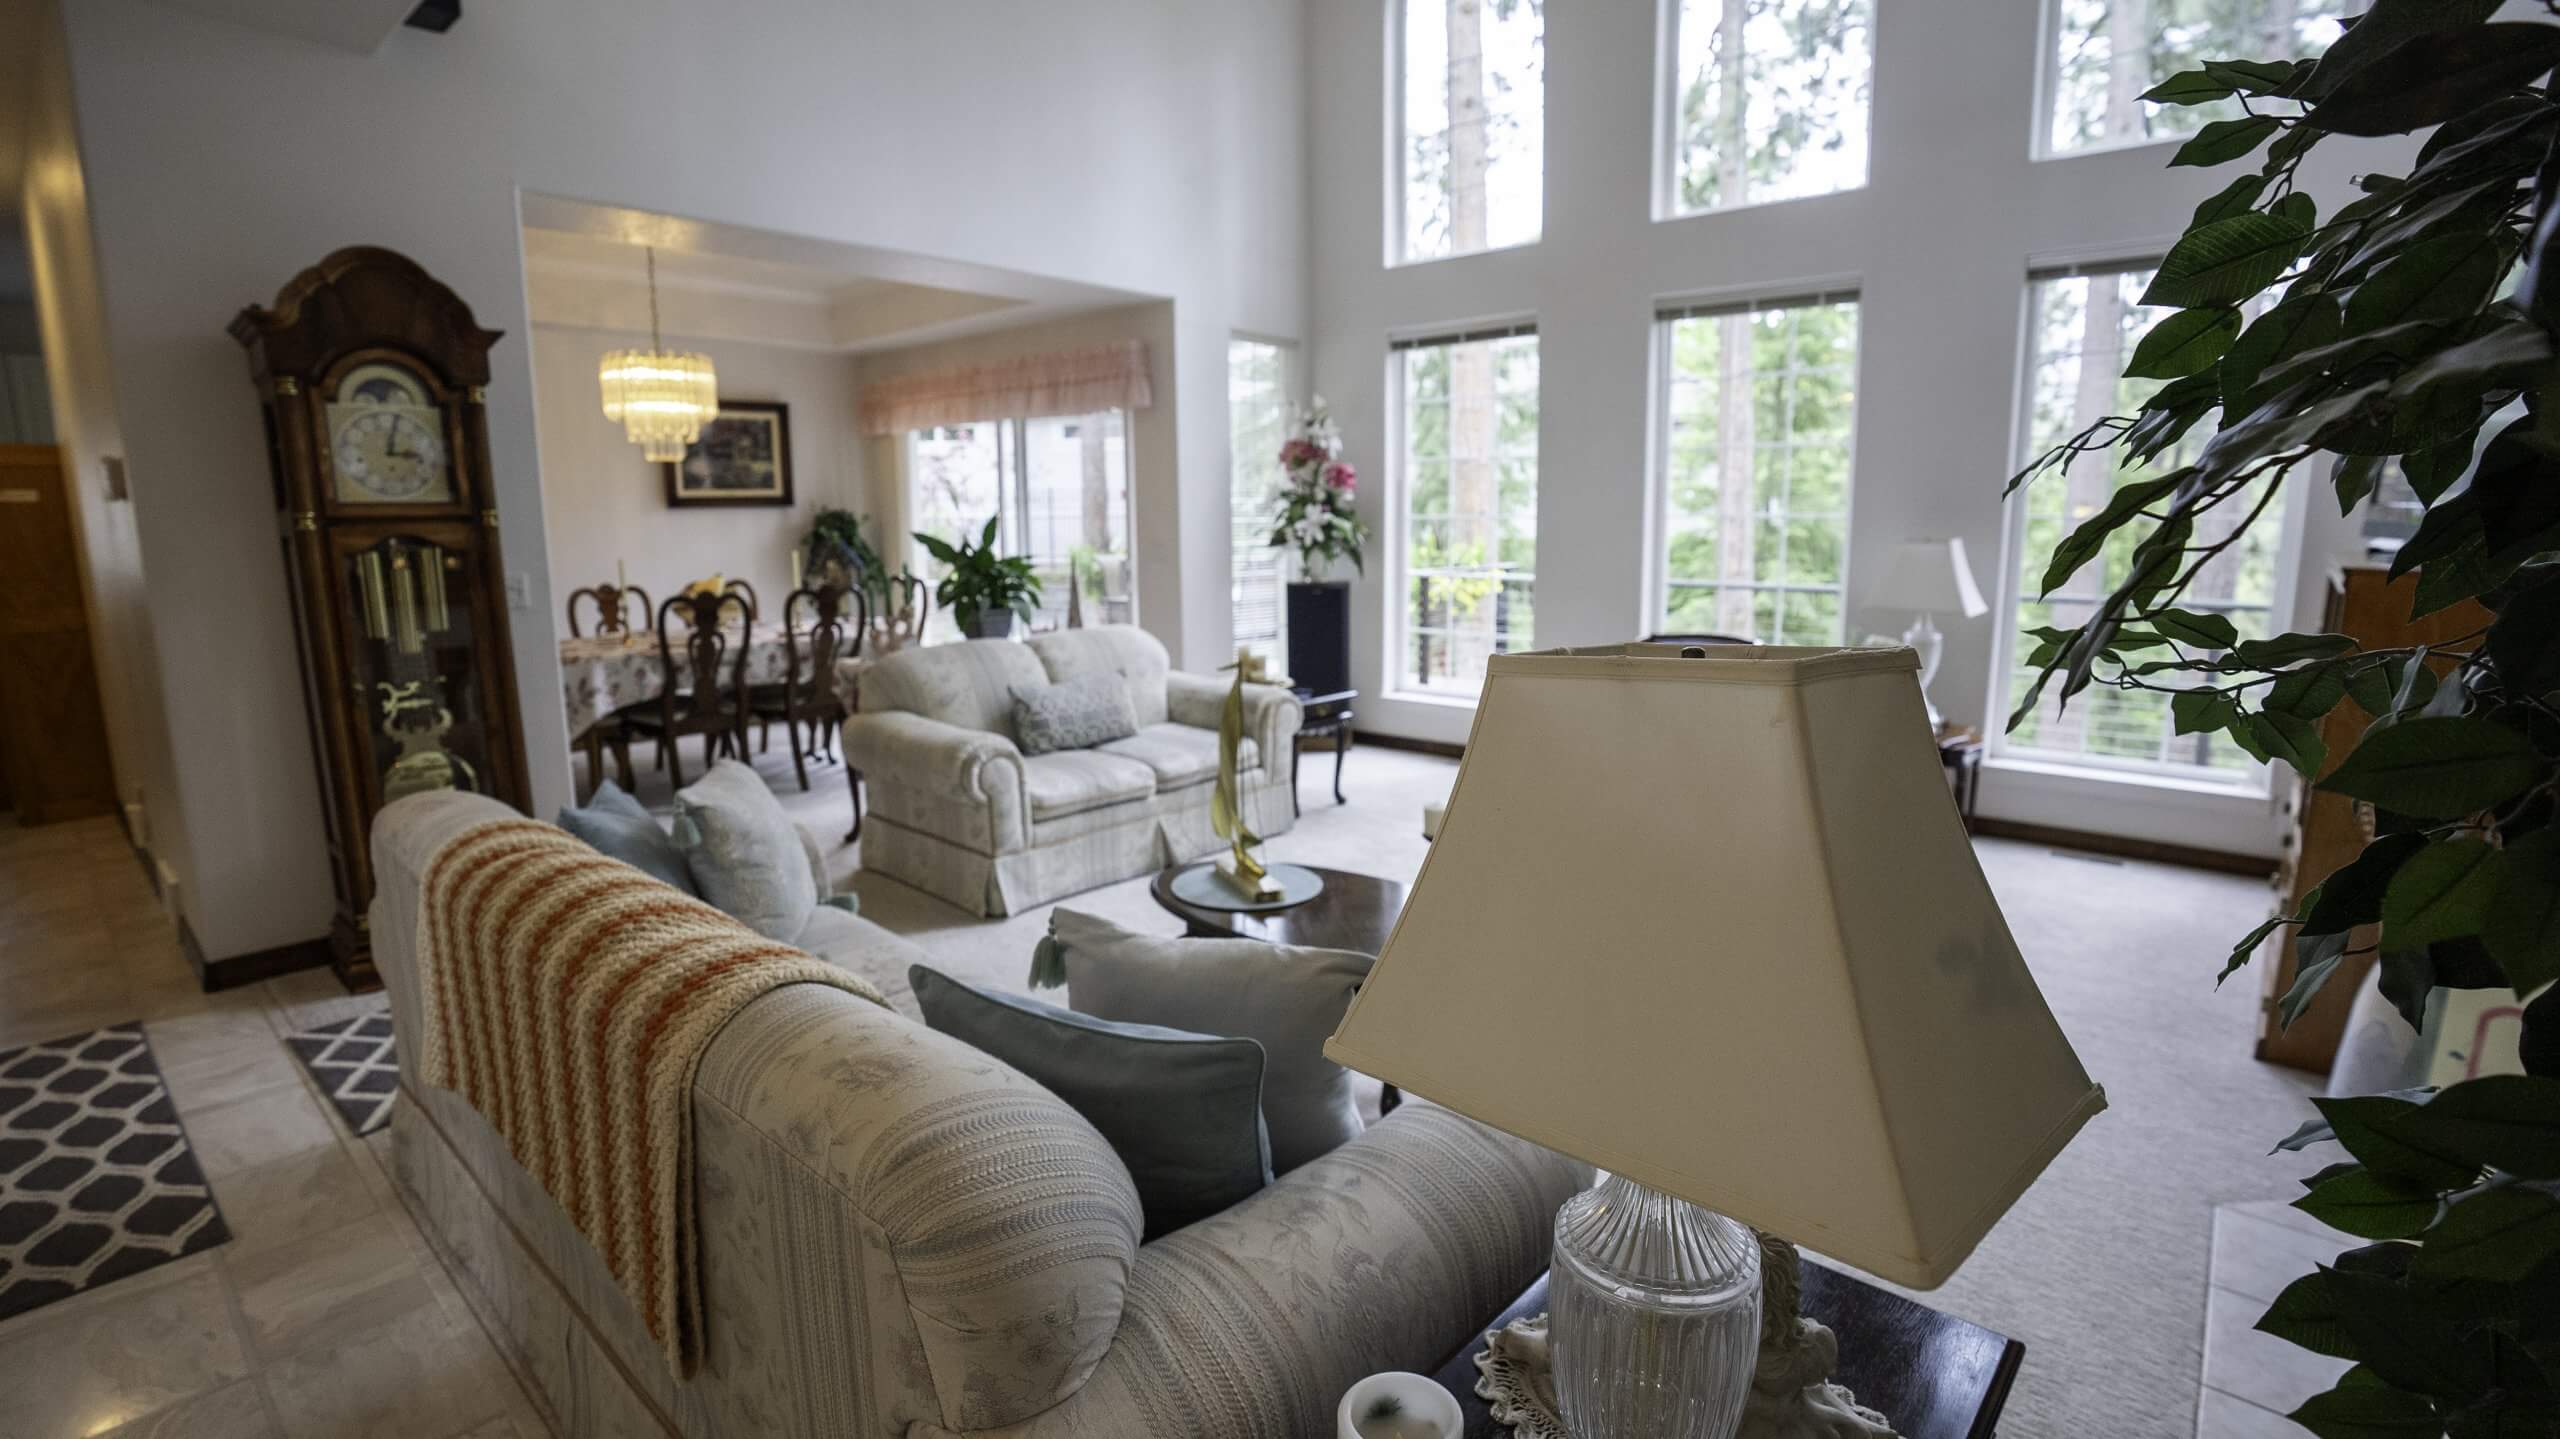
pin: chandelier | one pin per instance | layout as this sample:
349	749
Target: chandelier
659	397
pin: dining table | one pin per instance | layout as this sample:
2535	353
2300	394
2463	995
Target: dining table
606	672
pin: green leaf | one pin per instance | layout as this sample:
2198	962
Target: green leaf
2362	1124
2083	543
2369	1412
2188	87
2367	1205
2290	738
2522	929
2442	892
2226	262
2497	1233
2437	767
2512	485
2354	477
2196	629
2299	325
2306	1315
2202	711
2431	78
2432	471
2183	344
2315	959
2235	198
2444	277
2255	77
2504	1121
2308	692
2223	141
2383	25
2353	892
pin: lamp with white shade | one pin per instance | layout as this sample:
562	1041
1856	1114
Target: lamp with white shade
1929	578
1706	918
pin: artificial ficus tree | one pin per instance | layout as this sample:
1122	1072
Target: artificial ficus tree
2410	329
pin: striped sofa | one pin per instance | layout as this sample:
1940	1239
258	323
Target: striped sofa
958	811
903	1238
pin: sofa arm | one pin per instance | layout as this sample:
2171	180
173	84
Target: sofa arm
930	757
892	1207
1271	714
1386	1254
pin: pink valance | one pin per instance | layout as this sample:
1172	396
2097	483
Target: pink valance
1069	382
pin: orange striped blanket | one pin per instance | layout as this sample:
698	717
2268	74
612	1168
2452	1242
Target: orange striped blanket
570	998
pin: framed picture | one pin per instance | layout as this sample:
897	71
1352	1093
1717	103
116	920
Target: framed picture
743	457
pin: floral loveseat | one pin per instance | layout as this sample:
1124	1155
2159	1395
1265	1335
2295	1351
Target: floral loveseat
957	810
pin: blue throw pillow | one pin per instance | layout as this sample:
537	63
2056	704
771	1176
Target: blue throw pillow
618	827
1182	1110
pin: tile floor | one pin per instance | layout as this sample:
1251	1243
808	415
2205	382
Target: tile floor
326	1315
2252	1380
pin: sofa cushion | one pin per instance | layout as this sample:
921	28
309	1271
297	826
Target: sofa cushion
617	826
1180	754
1286	997
1073	781
1081	713
1183	1111
744	853
1124	650
969	684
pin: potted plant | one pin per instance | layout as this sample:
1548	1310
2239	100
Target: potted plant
837	552
2411	329
983	589
1318	521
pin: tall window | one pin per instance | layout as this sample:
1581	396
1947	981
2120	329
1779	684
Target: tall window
1473	143
1058	488
1469	485
1758	407
1769	100
2081	329
2107	52
1257	421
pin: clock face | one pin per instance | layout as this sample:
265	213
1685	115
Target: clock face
386	439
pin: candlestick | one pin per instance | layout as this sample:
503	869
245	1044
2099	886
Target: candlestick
620	580
795	569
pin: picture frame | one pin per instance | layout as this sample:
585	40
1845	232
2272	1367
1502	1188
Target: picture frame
742	457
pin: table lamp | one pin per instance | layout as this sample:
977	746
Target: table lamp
1929	578
1706	918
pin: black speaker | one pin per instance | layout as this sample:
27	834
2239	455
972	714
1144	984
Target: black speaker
1320	636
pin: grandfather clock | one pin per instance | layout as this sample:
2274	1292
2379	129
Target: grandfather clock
371	375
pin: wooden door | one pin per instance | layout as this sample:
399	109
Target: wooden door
2365	602
53	732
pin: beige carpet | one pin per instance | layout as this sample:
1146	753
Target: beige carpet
2101	1268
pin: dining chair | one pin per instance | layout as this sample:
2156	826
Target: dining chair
807	691
612	608
706	689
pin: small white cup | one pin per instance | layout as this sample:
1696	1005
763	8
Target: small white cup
1425	1411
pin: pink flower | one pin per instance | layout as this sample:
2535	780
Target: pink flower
1297	452
1341	476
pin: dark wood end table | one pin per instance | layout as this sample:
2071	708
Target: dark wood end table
1960	750
1354	912
1326	716
1934	1375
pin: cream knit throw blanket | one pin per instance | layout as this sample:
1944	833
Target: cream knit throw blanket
569	999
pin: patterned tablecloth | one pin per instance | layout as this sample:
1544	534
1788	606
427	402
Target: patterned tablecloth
601	673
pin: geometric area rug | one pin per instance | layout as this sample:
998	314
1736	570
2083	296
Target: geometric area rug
96	1179
353	1063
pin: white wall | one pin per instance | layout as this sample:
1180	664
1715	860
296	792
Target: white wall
603	502
1938	244
1155	457
53	205
1149	146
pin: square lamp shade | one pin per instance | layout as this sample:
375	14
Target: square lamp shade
1931	577
1712	923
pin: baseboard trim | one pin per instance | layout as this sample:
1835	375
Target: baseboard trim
1442	748
236	970
2193	856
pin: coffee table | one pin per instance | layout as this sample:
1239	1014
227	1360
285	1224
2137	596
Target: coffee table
1934	1375
1355	912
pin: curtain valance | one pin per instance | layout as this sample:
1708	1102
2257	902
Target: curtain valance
1067	382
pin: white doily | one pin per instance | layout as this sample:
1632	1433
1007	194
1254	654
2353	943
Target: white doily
1790	1398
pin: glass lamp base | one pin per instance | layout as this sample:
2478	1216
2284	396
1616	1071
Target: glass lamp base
1653	1315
